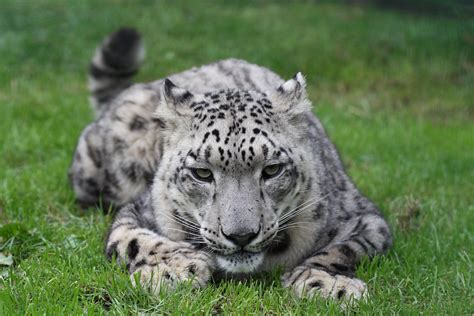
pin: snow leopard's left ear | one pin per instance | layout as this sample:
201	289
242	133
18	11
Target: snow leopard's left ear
291	97
174	107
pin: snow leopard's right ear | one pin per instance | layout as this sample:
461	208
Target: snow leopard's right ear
174	105
175	95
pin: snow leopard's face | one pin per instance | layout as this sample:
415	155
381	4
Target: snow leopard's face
229	172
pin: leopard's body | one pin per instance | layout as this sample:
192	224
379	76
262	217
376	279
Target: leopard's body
220	170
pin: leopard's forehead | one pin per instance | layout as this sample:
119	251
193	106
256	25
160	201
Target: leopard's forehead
232	127
233	108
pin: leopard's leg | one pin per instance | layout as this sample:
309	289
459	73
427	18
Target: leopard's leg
329	272
134	239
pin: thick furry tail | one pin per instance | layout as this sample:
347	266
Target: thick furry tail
116	60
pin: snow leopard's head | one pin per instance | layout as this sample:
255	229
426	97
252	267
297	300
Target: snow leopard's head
232	170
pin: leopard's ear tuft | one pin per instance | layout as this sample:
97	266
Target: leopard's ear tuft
291	96
293	87
174	107
175	95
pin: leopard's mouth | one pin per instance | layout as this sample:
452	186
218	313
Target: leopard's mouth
240	261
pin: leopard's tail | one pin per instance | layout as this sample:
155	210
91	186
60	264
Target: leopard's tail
116	60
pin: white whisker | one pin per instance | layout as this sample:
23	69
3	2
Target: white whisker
294	226
185	221
301	208
296	213
186	232
304	204
178	220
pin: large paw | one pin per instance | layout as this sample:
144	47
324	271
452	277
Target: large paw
306	281
171	263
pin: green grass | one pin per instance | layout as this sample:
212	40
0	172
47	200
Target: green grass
395	91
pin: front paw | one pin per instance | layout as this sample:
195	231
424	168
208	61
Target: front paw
170	264
307	281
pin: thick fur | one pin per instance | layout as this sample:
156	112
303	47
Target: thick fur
236	122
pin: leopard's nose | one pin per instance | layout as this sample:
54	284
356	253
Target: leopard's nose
241	240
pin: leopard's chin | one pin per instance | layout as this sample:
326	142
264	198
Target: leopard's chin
240	262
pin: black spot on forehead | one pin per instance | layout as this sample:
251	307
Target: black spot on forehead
207	153
234	101
265	151
215	132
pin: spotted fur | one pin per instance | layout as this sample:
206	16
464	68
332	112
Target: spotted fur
222	171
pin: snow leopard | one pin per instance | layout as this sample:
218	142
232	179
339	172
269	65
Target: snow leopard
221	171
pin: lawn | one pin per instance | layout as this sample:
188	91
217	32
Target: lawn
395	91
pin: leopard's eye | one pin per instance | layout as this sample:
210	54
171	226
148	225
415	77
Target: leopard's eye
272	171
202	174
